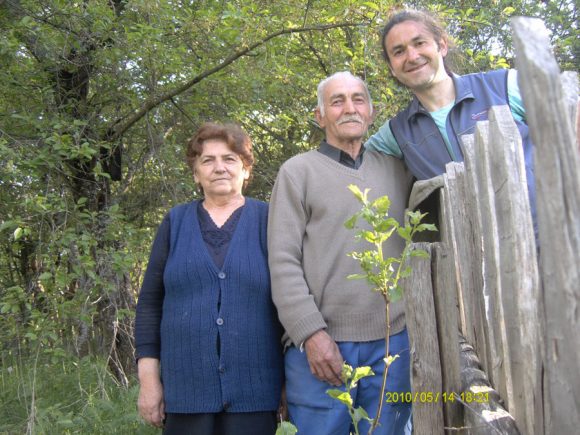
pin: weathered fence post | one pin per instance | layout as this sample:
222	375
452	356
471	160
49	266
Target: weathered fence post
518	268
484	334
570	92
425	362
500	365
494	158
445	299
455	301
557	169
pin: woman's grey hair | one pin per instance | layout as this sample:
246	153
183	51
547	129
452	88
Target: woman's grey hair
339	75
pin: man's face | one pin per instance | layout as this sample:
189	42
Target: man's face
347	112
416	59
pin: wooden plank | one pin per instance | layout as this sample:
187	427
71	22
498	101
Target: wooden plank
557	168
448	224
500	367
473	209
425	359
518	269
467	254
570	92
446	312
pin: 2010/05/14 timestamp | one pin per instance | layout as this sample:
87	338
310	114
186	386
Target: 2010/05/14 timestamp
436	397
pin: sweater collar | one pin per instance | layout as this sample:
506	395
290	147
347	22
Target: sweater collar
340	156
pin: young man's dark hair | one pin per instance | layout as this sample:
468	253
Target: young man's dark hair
431	23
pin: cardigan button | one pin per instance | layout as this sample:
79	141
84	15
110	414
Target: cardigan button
221	275
221	369
220	321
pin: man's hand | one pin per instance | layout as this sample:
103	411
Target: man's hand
150	403
324	358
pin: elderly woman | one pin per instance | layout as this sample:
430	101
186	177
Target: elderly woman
206	331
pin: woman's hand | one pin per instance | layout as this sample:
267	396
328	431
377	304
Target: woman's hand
150	403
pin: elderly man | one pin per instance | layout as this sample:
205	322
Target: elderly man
329	319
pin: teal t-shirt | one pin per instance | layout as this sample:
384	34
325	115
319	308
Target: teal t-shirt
440	118
384	141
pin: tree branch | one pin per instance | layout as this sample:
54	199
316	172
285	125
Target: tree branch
120	126
316	54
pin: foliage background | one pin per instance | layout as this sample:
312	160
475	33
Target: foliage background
97	99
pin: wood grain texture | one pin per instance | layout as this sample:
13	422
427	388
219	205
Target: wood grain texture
425	358
557	168
519	277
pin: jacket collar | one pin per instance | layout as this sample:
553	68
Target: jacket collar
463	91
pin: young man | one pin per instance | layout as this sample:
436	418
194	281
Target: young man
329	319
445	106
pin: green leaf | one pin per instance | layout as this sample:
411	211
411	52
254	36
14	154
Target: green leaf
426	227
390	359
334	393
342	396
26	20
372	6
406	272
387	225
7	225
65	423
508	11
356	192
368	236
362	372
286	428
359	414
356	276
45	276
420	253
350	223
404	233
395	294
415	217
18	232
382	204
346	372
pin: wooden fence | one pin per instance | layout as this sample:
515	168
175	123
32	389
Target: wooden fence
491	317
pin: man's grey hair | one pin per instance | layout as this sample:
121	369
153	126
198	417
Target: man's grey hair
340	75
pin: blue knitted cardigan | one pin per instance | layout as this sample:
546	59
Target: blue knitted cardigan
246	373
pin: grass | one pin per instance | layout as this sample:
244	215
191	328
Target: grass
71	396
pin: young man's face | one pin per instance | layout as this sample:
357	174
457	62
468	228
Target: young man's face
416	59
347	111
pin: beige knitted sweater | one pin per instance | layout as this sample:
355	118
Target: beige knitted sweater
308	246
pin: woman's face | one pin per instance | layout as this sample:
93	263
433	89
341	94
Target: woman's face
219	170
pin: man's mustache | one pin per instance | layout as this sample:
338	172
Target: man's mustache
350	118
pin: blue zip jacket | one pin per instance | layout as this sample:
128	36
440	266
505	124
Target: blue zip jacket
422	144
